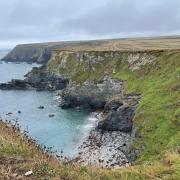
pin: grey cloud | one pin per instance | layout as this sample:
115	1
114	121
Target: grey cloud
129	16
54	20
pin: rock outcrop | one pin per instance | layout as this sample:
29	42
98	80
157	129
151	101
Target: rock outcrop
41	52
40	79
119	114
91	96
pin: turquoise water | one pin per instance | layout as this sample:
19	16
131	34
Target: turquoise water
65	131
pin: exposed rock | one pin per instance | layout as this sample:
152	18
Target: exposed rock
91	102
120	120
51	115
40	52
39	78
114	104
41	107
91	96
16	84
9	113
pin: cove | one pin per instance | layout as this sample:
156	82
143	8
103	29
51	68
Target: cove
63	132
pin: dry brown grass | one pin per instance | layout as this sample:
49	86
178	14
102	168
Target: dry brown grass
139	44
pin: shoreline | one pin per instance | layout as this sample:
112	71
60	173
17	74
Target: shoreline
104	149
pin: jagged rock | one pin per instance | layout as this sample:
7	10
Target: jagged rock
15	84
82	101
39	78
113	105
91	96
120	120
42	79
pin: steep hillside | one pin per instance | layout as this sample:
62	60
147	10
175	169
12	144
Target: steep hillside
40	52
153	74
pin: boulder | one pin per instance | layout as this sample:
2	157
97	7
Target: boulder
120	120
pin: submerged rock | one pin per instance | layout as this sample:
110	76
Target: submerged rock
51	115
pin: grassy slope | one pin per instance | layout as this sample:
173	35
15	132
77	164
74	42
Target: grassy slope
158	116
18	155
157	120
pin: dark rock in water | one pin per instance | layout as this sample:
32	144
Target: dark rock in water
41	107
120	120
15	84
51	115
40	79
8	114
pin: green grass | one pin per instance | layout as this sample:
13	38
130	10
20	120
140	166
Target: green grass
157	117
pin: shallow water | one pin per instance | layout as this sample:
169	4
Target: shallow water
65	131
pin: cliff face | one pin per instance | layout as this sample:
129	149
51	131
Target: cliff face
41	52
93	65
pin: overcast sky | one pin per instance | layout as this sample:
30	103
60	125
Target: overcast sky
24	21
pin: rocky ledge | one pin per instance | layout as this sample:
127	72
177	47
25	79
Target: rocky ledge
39	78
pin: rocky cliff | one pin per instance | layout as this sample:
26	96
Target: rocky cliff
154	74
41	52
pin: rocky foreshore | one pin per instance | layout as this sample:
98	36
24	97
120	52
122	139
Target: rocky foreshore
107	149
